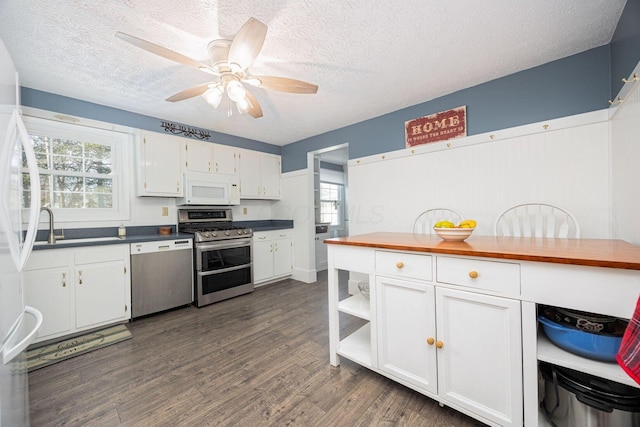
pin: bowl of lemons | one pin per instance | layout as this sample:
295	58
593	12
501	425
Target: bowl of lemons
450	232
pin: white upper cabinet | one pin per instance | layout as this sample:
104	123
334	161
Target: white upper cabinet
159	170
225	160
259	175
162	160
206	157
197	156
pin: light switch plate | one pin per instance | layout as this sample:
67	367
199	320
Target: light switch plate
165	211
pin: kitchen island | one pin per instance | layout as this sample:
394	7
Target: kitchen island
456	321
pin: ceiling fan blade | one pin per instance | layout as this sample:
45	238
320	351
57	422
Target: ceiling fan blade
254	110
284	84
246	45
163	51
190	93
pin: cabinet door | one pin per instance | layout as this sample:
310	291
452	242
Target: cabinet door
480	362
249	175
262	259
50	292
406	320
270	176
160	168
100	293
225	160
282	257
198	156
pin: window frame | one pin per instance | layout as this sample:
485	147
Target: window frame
119	168
340	200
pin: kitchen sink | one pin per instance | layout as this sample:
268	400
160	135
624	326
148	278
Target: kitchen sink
86	240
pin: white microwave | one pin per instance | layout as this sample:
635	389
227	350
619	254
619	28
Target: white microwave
209	189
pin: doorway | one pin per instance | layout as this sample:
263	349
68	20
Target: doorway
329	169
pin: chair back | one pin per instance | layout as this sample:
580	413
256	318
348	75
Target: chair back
425	221
537	220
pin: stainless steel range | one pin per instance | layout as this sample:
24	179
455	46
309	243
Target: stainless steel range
223	262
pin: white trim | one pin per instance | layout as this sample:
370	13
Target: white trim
306	276
119	141
514	132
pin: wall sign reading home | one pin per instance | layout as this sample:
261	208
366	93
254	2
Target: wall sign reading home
436	127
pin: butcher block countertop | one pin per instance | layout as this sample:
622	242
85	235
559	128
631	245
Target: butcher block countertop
589	252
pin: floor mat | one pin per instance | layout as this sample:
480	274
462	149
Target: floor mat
52	353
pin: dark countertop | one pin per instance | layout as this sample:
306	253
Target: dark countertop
134	235
265	225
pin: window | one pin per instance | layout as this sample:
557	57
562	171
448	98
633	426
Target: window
330	203
81	170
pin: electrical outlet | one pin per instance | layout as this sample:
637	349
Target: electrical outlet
165	211
244	211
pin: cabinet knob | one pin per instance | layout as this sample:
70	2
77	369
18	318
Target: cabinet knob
399	264
430	340
473	274
439	344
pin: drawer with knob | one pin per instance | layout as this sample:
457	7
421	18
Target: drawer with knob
405	265
493	276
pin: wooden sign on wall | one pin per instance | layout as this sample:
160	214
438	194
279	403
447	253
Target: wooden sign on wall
436	127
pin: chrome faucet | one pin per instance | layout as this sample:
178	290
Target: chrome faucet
52	235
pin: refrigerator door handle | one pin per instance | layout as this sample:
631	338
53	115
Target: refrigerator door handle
9	353
34	210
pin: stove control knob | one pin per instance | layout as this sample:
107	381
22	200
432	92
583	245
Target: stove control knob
226	233
214	235
205	235
239	231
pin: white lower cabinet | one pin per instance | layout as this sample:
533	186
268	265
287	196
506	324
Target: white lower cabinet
78	289
406	318
461	346
480	362
272	255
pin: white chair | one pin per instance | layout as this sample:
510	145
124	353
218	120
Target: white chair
425	221
537	220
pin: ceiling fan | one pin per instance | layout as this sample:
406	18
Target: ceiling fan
230	60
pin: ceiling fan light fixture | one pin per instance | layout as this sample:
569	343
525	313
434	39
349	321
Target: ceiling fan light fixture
243	105
213	96
236	91
253	81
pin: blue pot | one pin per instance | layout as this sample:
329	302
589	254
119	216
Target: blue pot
593	346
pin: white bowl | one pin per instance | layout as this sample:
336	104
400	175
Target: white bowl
453	234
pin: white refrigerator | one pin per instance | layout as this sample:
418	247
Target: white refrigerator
19	324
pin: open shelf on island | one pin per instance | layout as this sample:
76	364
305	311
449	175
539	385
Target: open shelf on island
551	353
357	346
356	305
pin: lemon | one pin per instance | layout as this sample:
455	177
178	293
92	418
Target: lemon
444	224
468	223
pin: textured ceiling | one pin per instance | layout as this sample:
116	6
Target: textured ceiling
368	57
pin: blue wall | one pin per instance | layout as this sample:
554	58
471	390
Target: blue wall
625	45
73	107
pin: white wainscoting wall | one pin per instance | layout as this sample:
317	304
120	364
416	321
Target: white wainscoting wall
625	162
564	161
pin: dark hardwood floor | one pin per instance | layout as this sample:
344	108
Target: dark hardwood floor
260	359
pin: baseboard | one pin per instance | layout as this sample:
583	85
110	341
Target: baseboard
306	276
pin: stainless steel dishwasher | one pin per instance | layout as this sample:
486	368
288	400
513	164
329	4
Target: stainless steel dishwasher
161	276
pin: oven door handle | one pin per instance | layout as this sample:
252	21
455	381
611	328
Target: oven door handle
236	243
222	270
